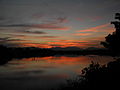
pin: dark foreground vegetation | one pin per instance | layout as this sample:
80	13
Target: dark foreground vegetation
96	77
112	41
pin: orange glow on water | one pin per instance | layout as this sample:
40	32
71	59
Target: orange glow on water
62	62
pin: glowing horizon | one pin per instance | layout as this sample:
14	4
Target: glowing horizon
56	23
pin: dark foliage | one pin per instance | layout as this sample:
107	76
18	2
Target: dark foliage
96	77
113	40
8	53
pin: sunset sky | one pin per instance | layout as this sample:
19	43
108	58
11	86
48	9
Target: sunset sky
56	23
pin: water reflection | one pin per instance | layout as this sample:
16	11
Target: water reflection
42	72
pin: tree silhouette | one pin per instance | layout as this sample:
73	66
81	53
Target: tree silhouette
112	41
95	77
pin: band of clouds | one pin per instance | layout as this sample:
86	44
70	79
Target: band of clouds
55	43
9	40
40	26
94	30
58	42
61	44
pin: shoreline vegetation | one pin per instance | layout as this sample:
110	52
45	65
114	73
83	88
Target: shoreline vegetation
8	53
96	76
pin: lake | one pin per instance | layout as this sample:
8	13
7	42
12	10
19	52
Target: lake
38	73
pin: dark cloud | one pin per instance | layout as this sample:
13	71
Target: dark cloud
9	39
16	25
50	27
11	42
62	19
48	36
40	26
35	32
4	39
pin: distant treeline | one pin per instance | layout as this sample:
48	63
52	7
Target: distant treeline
8	53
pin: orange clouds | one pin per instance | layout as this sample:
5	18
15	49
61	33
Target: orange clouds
83	34
70	44
105	28
36	45
99	28
88	37
55	44
62	43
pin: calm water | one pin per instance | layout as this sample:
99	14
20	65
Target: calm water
44	72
